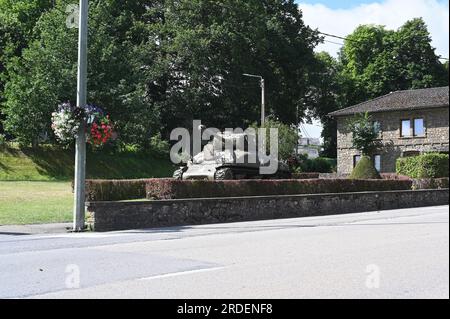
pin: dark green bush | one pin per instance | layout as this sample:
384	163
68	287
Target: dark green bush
323	165
365	170
303	164
115	190
431	165
175	189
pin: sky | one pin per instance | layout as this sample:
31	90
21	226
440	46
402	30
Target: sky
342	17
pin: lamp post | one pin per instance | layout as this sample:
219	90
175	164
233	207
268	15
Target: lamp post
263	96
80	148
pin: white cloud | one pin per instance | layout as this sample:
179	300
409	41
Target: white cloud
390	13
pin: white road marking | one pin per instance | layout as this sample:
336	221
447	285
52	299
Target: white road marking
183	273
87	235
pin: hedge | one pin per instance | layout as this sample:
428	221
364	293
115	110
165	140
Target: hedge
159	189
115	190
118	190
394	176
305	175
431	183
432	165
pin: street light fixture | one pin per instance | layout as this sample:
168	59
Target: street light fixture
263	96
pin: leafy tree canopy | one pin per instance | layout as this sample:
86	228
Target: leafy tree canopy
373	62
157	65
364	134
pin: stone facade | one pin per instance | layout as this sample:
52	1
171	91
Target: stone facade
111	216
436	138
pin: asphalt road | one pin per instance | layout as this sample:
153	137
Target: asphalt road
392	254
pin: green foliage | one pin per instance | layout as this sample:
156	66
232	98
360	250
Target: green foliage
303	164
51	163
364	134
214	43
323	165
431	183
175	189
159	147
432	165
373	62
365	169
287	138
45	74
157	65
327	95
115	190
382	61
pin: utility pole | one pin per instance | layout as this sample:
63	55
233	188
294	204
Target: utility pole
80	149
263	96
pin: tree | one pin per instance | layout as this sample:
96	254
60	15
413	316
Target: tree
364	134
327	95
373	62
157	65
287	138
364	139
17	20
45	74
198	50
382	61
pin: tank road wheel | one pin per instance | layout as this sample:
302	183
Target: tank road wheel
224	174
179	173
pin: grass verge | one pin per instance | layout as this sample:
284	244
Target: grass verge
23	203
53	164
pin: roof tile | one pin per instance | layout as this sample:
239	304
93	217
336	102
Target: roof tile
401	100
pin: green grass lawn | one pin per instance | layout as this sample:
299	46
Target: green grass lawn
53	164
35	184
24	203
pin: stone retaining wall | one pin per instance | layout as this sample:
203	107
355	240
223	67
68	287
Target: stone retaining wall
110	216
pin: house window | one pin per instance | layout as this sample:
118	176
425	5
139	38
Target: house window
356	160
377	162
419	127
406	128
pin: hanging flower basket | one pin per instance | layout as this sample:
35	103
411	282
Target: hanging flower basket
65	124
67	120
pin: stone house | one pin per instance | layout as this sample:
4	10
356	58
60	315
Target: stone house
411	123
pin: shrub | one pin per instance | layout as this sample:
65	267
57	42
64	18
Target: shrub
303	164
365	170
431	183
159	146
175	189
323	165
287	137
432	165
